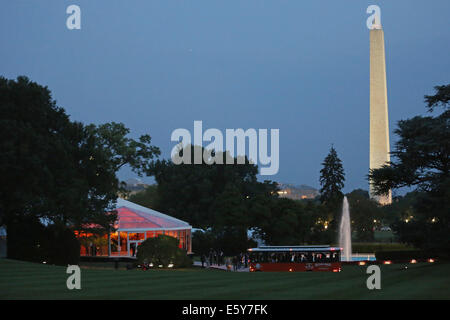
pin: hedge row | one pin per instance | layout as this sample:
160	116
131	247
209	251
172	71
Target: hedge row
406	255
378	247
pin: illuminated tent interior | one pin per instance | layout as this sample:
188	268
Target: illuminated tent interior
134	224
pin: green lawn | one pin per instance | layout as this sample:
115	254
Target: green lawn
22	280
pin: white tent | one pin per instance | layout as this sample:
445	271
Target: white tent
134	225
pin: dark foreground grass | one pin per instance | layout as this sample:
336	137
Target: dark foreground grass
22	280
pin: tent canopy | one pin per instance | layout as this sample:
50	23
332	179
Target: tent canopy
133	217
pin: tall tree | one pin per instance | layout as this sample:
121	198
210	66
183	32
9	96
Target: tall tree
422	153
365	213
147	198
122	150
52	167
196	193
56	169
332	178
421	158
220	197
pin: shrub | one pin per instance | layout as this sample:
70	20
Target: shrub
60	246
24	240
30	240
162	250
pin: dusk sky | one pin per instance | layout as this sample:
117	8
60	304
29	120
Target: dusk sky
298	66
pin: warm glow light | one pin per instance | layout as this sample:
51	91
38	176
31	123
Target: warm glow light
413	261
431	260
387	262
290	270
362	263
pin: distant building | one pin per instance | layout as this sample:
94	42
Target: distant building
297	192
133	186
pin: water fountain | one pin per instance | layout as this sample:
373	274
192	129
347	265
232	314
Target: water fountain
345	234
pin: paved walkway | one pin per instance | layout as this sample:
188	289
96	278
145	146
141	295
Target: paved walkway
221	267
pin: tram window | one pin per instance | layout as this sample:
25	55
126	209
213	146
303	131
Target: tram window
335	256
257	257
289	257
278	257
294	257
273	257
323	257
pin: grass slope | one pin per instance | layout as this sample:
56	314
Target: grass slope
23	280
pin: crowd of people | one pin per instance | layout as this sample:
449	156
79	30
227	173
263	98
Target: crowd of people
218	258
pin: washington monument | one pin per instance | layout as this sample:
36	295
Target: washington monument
379	122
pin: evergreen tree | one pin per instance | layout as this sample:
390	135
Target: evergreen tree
332	179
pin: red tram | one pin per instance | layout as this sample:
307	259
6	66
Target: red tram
295	258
